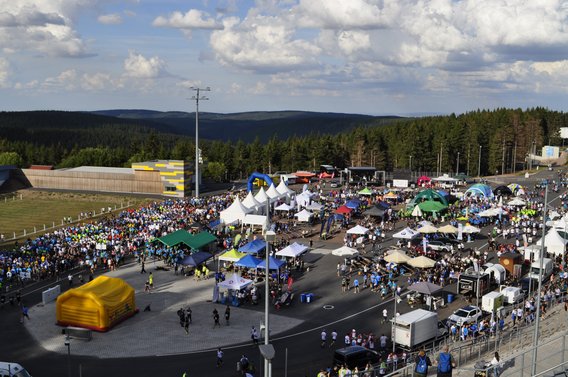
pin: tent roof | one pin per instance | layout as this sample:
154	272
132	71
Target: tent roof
375	211
235	282
406	234
425	288
275	264
248	261
232	256
255	220
358	229
273	193
251	202
283	207
432	206
502	190
343	209
283	189
314	206
430	195
175	238
345	251
235	212
292	250
253	247
365	191
480	189
200	240
261	196
196	259
303	215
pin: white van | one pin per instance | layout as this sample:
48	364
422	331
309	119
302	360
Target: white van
12	370
547	266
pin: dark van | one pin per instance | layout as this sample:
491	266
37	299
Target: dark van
355	356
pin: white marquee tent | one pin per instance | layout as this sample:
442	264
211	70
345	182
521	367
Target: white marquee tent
261	196
252	203
406	234
235	212
304	216
273	194
235	282
255	220
285	190
358	230
292	250
553	242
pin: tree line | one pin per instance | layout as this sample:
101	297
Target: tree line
489	140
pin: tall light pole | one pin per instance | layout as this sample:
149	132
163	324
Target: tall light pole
197	97
267	350
410	163
541	260
68	344
479	163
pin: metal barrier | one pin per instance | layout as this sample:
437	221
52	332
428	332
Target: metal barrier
78	333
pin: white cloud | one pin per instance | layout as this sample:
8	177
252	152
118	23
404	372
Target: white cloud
44	27
192	19
138	66
262	43
98	81
4	72
110	19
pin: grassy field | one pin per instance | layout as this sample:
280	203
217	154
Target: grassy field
38	208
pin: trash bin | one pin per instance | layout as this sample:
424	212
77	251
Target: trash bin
309	297
303	297
450	298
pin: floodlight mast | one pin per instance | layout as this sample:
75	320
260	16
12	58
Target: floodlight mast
197	97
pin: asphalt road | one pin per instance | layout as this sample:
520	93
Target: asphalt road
298	351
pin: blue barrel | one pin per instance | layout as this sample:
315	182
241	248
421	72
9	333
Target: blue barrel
450	298
303	297
309	297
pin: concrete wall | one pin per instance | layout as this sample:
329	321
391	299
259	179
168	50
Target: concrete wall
148	182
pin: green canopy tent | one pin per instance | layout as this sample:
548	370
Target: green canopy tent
432	206
200	240
365	191
181	236
430	195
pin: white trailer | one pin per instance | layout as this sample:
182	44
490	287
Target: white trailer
417	327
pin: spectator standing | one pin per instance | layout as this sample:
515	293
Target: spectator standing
219	357
422	364
227	314
445	362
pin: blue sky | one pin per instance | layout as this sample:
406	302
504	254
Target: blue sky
357	56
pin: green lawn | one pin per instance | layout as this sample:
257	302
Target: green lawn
34	209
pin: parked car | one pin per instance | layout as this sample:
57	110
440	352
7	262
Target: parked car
467	314
449	240
439	246
355	356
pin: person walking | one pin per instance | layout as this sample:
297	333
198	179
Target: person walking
219	357
24	314
254	336
445	362
422	364
151	280
333	338
496	364
323	338
143	270
216	318
385	316
227	314
188	315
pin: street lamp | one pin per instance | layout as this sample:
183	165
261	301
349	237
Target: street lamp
68	345
197	97
396	300
479	163
266	350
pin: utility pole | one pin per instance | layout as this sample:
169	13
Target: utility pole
515	157
468	156
410	163
441	158
197	98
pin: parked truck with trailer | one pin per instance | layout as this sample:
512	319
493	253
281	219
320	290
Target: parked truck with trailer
416	328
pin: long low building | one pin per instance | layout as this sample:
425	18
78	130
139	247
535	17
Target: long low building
171	178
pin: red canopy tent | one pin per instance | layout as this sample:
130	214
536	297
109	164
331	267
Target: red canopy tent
343	209
423	180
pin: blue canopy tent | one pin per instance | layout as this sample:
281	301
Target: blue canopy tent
248	261
196	259
353	204
479	189
275	264
253	247
382	205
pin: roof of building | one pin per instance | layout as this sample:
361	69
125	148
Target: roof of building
100	169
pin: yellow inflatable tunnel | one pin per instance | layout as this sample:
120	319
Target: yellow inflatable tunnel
97	305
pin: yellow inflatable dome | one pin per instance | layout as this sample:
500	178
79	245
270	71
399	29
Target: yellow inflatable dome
97	305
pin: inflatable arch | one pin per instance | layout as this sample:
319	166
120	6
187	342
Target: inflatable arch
256	175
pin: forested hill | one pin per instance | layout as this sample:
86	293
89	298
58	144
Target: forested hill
247	126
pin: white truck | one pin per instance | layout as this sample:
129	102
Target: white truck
492	302
512	295
416	328
547	266
12	370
